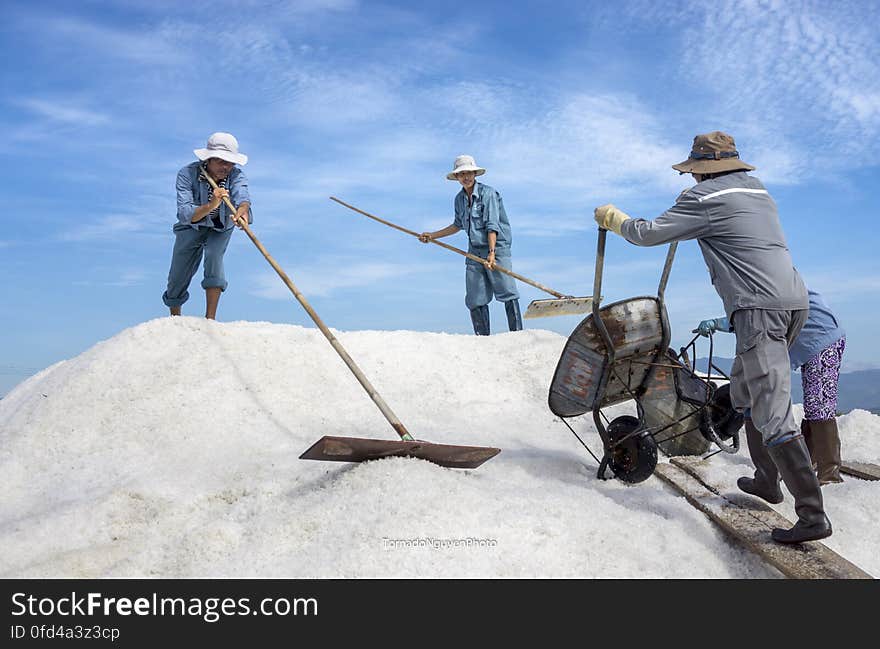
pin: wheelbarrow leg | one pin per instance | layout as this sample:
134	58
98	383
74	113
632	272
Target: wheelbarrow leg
606	443
603	465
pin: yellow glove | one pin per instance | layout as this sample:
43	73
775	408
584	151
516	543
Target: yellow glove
610	218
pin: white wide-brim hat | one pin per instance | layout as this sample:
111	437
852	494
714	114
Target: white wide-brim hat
464	163
223	146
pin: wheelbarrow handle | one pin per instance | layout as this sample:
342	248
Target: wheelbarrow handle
597	295
667	267
600	264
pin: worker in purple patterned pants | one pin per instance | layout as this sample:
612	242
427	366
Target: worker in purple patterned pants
817	352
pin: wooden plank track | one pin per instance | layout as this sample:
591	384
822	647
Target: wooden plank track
863	470
749	521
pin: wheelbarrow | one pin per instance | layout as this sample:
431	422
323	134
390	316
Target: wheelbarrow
621	352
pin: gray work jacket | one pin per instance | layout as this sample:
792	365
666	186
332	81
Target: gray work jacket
735	221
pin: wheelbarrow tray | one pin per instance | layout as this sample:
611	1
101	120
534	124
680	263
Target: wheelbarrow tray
359	449
638	331
670	395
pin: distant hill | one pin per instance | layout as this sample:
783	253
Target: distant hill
857	389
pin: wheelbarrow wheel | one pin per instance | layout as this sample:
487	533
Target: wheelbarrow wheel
632	457
723	422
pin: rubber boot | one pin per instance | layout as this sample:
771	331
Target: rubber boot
480	318
765	484
514	318
807	432
825	450
793	461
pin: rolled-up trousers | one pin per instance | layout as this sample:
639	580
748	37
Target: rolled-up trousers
189	246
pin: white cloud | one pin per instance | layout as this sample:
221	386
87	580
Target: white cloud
61	111
157	46
800	76
118	279
860	285
117	226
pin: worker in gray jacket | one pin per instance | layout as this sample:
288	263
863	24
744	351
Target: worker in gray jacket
735	222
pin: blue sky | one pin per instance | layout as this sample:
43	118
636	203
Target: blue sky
568	106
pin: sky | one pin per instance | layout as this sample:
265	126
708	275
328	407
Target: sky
567	108
122	462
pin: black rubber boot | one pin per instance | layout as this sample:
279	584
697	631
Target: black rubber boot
480	318
793	461
765	484
514	318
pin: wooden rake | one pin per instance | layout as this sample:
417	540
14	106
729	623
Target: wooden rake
355	449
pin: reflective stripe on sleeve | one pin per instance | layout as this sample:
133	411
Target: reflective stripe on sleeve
732	190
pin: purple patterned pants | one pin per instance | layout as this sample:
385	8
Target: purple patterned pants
819	376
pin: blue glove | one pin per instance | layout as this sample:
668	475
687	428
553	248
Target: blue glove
707	327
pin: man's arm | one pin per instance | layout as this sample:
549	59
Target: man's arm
186	206
685	220
188	211
240	196
493	225
707	327
243	214
493	238
203	210
425	237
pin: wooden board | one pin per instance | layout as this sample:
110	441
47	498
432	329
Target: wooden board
749	521
863	470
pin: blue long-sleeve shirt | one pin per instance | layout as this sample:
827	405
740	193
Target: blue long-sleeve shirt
484	215
193	192
820	330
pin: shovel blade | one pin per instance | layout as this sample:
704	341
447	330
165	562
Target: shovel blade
559	306
359	449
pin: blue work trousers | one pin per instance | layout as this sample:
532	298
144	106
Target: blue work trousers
481	284
189	245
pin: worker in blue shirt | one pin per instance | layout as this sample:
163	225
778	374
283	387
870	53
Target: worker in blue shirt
480	212
204	222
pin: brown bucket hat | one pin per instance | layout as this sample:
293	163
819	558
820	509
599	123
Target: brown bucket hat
712	152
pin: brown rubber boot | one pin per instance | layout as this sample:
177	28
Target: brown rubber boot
765	484
807	432
825	450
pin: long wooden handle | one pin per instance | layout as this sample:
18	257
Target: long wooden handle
454	249
374	395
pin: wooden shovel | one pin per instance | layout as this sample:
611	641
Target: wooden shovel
562	305
353	449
